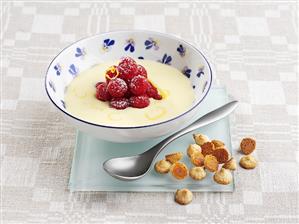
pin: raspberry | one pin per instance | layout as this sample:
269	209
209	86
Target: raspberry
119	103
111	73
127	69
117	87
153	92
139	101
125	73
141	71
139	85
98	83
128	94
127	60
126	85
102	93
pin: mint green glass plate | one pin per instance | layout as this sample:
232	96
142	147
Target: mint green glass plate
87	173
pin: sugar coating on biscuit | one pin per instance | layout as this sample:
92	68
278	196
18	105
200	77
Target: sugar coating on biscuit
174	157
183	196
162	166
248	162
230	164
193	148
223	176
200	139
197	173
247	145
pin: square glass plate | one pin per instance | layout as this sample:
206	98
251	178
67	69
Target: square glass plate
87	173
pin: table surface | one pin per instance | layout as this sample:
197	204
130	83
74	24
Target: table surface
252	47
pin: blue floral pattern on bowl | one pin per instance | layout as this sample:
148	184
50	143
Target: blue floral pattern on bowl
187	71
107	43
166	59
62	103
151	43
182	50
200	72
52	85
130	45
205	86
57	68
73	70
79	52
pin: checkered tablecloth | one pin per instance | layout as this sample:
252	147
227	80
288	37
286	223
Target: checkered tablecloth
252	46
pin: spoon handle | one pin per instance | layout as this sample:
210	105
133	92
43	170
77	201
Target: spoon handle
208	118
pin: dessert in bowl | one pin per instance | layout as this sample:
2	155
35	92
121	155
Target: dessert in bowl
146	91
176	72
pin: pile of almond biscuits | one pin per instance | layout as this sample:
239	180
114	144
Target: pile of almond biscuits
206	156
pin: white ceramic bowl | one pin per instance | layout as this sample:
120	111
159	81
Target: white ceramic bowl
89	51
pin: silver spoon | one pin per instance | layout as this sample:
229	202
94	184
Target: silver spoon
135	167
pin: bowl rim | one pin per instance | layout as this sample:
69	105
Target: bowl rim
171	36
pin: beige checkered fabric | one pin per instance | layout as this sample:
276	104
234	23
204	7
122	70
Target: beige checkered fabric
252	46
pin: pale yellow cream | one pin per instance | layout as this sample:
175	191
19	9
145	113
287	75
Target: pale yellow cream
176	90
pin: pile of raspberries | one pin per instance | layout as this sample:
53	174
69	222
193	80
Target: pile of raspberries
127	85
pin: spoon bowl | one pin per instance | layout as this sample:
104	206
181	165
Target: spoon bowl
128	168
